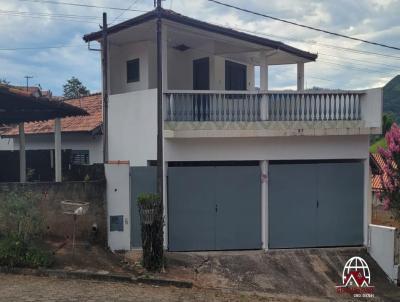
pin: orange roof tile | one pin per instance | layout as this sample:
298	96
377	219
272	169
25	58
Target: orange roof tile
91	103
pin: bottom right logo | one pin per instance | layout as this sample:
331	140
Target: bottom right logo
356	279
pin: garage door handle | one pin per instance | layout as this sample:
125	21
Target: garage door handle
216	208
317	204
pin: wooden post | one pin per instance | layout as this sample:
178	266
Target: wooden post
104	61
300	76
57	150
22	155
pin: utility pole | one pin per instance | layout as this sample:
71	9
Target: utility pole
160	161
27	81
104	60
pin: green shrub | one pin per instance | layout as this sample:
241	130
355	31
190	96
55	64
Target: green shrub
148	200
152	222
20	215
15	252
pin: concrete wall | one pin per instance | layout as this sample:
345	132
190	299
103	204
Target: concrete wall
74	141
118	203
180	68
6	144
119	55
55	222
133	127
371	107
383	246
274	148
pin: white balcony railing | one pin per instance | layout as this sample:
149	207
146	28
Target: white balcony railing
248	106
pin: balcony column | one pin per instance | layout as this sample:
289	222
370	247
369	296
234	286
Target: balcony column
264	203
264	87
22	155
300	76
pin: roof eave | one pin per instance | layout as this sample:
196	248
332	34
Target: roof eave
167	15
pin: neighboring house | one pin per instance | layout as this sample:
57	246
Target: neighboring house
245	168
34	91
82	139
5	143
376	164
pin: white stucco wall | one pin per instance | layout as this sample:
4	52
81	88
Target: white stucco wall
118	197
133	127
382	247
274	148
74	141
6	144
119	55
180	68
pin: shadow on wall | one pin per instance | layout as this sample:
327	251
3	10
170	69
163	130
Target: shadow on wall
56	223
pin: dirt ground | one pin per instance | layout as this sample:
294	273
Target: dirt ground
91	258
29	289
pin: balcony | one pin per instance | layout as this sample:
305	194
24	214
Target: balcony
271	113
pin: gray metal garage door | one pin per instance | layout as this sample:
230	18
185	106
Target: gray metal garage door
214	208
143	180
315	204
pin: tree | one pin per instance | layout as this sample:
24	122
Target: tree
390	176
74	89
388	119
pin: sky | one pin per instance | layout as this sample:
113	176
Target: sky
341	63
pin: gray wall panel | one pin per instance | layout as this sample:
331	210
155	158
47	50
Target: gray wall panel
143	180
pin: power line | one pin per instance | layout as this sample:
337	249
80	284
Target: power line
364	52
85	5
304	26
39	47
128	8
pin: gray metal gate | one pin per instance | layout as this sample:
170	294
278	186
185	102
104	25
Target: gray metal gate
315	204
214	208
143	180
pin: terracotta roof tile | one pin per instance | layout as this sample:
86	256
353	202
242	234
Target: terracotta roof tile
92	104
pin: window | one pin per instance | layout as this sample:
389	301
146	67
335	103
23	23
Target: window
235	76
80	157
132	71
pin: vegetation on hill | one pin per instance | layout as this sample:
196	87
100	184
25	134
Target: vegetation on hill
391	97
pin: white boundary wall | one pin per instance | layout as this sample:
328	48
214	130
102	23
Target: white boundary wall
383	247
118	196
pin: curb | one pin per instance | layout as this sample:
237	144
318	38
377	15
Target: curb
85	275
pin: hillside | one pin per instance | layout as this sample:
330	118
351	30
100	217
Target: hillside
391	97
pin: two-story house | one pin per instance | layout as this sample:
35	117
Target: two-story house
245	167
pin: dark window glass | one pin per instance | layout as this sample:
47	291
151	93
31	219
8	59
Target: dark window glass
132	71
235	76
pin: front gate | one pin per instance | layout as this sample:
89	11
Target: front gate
143	180
214	208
